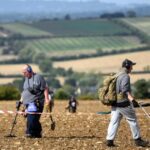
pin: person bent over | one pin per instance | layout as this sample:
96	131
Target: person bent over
72	106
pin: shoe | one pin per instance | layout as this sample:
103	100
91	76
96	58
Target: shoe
28	135
142	143
110	143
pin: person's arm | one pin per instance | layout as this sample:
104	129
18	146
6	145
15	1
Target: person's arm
47	104
130	97
46	94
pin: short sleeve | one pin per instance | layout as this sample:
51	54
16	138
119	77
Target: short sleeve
125	84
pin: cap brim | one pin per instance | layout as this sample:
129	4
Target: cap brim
133	63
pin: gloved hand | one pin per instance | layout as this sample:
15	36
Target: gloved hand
47	107
135	103
23	110
18	104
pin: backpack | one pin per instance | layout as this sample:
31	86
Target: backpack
107	93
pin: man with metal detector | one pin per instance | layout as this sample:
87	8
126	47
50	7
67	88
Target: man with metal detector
124	106
34	97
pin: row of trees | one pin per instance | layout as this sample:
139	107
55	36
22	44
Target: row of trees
129	14
11	91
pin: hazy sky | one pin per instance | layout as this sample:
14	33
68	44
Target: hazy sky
119	1
128	1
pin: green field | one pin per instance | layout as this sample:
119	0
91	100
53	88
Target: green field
81	27
84	43
142	24
75	37
24	29
95	27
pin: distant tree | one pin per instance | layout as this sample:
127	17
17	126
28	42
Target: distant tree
52	82
67	17
69	89
60	71
131	14
71	81
113	15
70	71
18	83
46	65
39	57
9	92
142	89
61	94
27	54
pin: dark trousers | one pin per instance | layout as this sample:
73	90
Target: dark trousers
34	127
72	109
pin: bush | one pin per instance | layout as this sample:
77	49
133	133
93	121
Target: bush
89	96
61	94
142	89
9	92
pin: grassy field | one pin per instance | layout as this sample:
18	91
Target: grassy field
106	64
76	37
83	27
68	45
85	130
142	24
24	29
67	28
7	80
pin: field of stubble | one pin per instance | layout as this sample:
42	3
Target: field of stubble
85	130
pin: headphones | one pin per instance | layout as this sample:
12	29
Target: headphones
29	69
126	64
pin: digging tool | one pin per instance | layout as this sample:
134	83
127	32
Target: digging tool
18	104
53	124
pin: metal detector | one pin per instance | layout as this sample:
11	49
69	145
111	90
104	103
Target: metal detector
144	111
18	104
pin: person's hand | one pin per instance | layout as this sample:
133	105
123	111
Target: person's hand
47	107
18	104
24	111
135	103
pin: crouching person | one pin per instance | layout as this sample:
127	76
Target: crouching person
72	106
34	96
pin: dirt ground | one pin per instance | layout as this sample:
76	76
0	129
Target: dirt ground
85	130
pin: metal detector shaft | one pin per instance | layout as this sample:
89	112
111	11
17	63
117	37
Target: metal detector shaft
13	124
18	104
144	111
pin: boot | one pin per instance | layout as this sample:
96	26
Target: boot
142	143
110	143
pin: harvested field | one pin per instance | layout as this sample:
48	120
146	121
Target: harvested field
7	80
135	77
84	130
15	69
106	64
7	57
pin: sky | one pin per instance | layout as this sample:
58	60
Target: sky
128	1
118	1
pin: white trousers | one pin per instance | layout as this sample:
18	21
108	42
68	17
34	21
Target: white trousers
116	115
